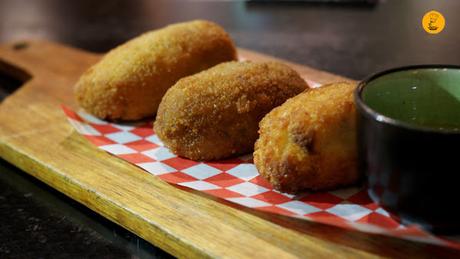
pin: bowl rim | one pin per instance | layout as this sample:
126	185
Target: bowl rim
374	115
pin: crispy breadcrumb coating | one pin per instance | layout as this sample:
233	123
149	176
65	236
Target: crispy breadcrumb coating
309	142
129	82
215	114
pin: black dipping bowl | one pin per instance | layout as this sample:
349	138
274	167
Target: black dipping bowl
408	122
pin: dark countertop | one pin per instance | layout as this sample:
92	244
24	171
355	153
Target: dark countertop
39	222
353	41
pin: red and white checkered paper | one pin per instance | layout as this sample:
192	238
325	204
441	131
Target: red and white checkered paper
237	180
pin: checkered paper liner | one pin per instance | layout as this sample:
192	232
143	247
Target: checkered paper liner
237	180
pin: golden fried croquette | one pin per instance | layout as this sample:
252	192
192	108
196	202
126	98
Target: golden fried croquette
215	114
309	141
129	82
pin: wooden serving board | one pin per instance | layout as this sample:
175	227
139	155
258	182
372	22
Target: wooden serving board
36	137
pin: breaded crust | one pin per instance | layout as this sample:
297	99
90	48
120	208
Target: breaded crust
129	82
215	114
309	141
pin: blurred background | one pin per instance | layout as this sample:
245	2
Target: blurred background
350	38
353	38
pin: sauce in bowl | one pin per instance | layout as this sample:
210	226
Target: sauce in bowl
408	122
425	97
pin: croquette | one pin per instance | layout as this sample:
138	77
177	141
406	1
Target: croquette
309	142
129	82
215	114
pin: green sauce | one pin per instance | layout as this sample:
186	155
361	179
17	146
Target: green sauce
427	97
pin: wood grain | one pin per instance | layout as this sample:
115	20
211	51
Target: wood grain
35	136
